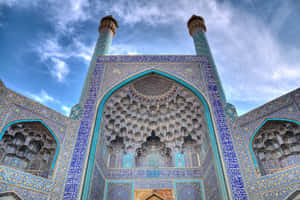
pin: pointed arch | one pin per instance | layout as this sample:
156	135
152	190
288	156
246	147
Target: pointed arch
44	124
100	108
255	134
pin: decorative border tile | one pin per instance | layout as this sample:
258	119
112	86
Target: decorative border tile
229	155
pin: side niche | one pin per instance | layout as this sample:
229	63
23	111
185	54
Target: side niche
28	146
277	146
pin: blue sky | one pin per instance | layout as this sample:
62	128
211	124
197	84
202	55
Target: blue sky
46	45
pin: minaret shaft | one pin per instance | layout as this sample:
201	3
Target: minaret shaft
107	30
197	30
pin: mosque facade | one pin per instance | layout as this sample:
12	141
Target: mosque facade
150	127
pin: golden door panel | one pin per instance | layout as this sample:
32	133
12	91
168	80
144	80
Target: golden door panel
154	194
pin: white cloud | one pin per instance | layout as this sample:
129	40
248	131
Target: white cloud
61	13
50	47
137	11
69	11
23	3
66	109
42	97
123	49
59	70
285	72
51	50
82	50
168	11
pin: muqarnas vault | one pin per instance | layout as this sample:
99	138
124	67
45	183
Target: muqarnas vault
150	128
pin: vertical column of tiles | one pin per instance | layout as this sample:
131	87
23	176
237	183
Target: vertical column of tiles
77	163
229	155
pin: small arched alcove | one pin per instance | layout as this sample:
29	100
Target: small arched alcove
29	145
275	145
155	117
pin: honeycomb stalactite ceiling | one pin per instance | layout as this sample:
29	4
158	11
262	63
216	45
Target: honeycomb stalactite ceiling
153	86
29	146
154	104
277	145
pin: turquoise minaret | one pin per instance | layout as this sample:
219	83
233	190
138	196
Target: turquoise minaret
197	30
107	30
